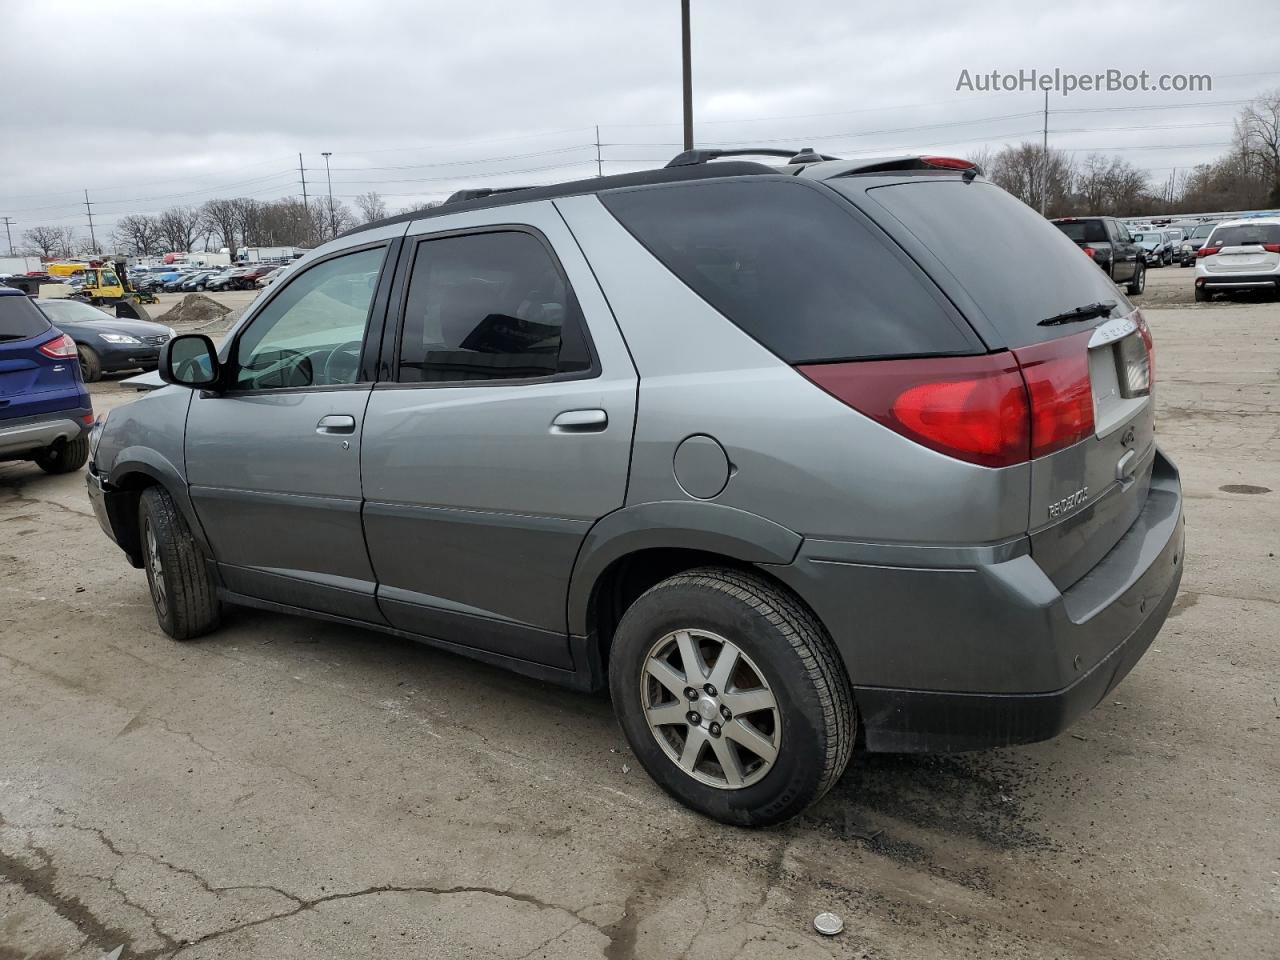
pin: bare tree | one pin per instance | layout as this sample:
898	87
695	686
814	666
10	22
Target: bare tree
137	233
249	220
179	227
1030	174
43	241
1258	134
67	242
1111	186
221	217
371	206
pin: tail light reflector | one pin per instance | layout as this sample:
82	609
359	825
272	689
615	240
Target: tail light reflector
994	410
63	348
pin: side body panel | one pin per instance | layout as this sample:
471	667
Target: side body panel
798	456
476	502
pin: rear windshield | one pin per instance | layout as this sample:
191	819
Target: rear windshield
1241	236
794	268
20	319
1202	231
1084	231
1016	266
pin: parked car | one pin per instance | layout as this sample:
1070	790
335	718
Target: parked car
45	413
264	279
249	279
222	280
785	457
1108	243
1239	256
1191	246
105	344
1155	247
198	280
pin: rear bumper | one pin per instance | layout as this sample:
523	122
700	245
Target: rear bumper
1239	281
23	436
948	656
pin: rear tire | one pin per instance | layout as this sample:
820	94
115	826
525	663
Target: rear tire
786	675
1203	295
64	456
182	589
90	364
1139	281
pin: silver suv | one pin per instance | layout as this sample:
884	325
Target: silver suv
787	457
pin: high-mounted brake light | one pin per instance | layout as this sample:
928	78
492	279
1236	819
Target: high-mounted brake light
947	163
63	348
994	410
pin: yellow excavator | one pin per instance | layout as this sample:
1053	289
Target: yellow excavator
104	284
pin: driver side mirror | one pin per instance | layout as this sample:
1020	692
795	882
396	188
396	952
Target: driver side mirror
190	361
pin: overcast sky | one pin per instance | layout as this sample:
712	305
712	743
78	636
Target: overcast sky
151	104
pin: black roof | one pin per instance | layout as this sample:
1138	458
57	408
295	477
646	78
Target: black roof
479	200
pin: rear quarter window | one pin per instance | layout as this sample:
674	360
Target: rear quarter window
794	267
19	319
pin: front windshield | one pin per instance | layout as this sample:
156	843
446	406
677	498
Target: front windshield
1202	231
1149	238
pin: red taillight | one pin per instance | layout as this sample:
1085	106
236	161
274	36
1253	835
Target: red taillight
1088	251
972	408
87	419
1144	331
1271	247
995	410
63	348
1057	377
947	163
1206	252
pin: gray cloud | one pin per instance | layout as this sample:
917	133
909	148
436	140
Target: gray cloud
155	103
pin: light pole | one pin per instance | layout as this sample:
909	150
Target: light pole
333	223
685	58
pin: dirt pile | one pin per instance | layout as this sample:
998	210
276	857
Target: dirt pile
195	308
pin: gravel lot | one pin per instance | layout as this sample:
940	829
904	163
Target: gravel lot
292	789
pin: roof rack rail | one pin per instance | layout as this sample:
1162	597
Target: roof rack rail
804	155
460	195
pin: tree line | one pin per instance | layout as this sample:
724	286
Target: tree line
1246	177
1052	180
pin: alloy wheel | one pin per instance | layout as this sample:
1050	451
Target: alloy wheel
710	708
155	567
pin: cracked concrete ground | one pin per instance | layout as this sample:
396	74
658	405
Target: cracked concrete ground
292	789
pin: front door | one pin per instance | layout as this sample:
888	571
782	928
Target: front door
505	435
273	463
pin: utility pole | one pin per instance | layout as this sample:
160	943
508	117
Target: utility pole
93	240
333	223
9	236
686	59
306	207
1044	159
599	166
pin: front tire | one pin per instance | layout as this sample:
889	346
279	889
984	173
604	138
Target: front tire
1139	281
775	721
64	456
182	590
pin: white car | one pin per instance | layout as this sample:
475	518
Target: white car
1239	255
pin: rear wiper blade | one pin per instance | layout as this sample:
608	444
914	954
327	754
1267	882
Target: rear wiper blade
1087	312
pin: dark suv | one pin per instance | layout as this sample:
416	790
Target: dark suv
45	412
789	457
1107	242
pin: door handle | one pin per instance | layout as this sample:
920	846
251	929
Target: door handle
336	423
580	421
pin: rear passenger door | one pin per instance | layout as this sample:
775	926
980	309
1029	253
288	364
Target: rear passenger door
500	434
1125	251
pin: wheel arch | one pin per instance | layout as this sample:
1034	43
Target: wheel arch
134	471
632	549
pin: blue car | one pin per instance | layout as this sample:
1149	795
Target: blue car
45	413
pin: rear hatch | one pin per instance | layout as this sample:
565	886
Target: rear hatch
1247	248
38	368
1082	349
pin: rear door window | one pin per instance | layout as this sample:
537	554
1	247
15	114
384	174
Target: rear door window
490	306
19	319
794	268
1015	265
